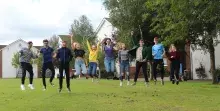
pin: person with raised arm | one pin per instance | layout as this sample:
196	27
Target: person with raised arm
93	59
109	60
142	55
80	63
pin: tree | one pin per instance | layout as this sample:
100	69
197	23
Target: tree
15	60
82	30
195	20
54	42
126	16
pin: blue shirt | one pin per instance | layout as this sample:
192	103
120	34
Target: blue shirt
47	54
157	51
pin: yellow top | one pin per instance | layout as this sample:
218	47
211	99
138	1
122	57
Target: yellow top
93	54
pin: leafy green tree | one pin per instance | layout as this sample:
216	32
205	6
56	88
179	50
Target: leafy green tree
194	20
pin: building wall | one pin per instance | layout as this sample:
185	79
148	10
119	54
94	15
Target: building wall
0	64
199	56
8	71
106	29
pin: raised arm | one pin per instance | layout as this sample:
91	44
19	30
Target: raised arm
98	46
88	45
73	45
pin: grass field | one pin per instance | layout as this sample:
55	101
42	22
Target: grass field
108	96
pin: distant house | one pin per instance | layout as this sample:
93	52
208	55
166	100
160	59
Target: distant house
6	54
105	29
200	57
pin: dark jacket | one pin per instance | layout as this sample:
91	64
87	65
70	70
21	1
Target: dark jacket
64	54
146	52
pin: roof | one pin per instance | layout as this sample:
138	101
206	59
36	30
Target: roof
66	38
38	47
2	46
101	24
14	43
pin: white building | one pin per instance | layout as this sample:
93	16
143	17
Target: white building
6	55
105	29
199	56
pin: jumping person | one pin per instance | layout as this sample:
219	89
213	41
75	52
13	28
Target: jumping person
64	56
175	63
109	59
158	52
47	53
26	55
123	57
142	54
80	65
93	55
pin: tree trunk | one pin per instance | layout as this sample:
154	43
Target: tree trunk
212	61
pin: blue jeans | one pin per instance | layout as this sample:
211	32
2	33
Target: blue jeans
92	68
124	68
80	65
109	64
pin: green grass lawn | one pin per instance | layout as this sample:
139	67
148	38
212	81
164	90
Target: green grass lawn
108	96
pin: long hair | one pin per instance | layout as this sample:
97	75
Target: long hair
172	46
120	46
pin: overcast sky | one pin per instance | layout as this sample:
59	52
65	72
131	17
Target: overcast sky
39	19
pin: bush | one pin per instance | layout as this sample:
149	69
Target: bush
200	71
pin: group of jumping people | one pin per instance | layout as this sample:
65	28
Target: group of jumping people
142	54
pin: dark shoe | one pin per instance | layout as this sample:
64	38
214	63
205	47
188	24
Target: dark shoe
73	76
60	90
177	82
52	84
69	90
134	84
173	81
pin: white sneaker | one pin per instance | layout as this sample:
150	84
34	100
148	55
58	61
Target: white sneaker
22	87
121	83
147	84
92	80
31	86
44	89
128	83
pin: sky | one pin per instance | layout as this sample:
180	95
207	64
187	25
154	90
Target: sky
35	20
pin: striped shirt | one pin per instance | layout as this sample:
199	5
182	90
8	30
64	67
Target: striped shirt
26	55
123	55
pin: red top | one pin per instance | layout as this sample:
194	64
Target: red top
174	55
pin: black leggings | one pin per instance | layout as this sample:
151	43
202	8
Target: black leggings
64	66
175	66
27	67
46	66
